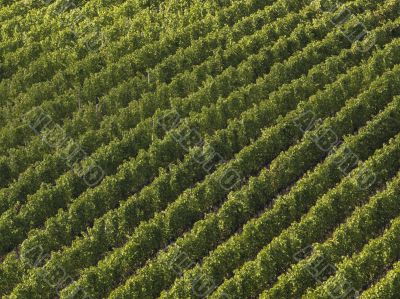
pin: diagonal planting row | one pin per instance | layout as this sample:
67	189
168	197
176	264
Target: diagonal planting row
74	40
290	70
296	91
11	135
79	14
77	126
256	275
21	16
86	36
12	217
356	272
58	16
319	73
126	44
17	8
363	225
26	12
125	143
364	267
286	209
13	159
168	225
150	131
128	40
26	180
154	135
273	258
147	57
212	66
150	54
255	96
83	36
41	70
216	227
140	86
243	24
237	210
115	22
387	287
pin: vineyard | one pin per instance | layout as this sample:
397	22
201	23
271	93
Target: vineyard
200	149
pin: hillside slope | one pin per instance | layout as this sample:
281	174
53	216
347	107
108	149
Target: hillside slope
200	149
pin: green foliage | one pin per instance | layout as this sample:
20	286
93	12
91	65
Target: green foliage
186	149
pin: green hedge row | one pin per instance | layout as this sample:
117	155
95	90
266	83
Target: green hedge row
245	96
15	224
363	225
167	225
279	254
180	86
